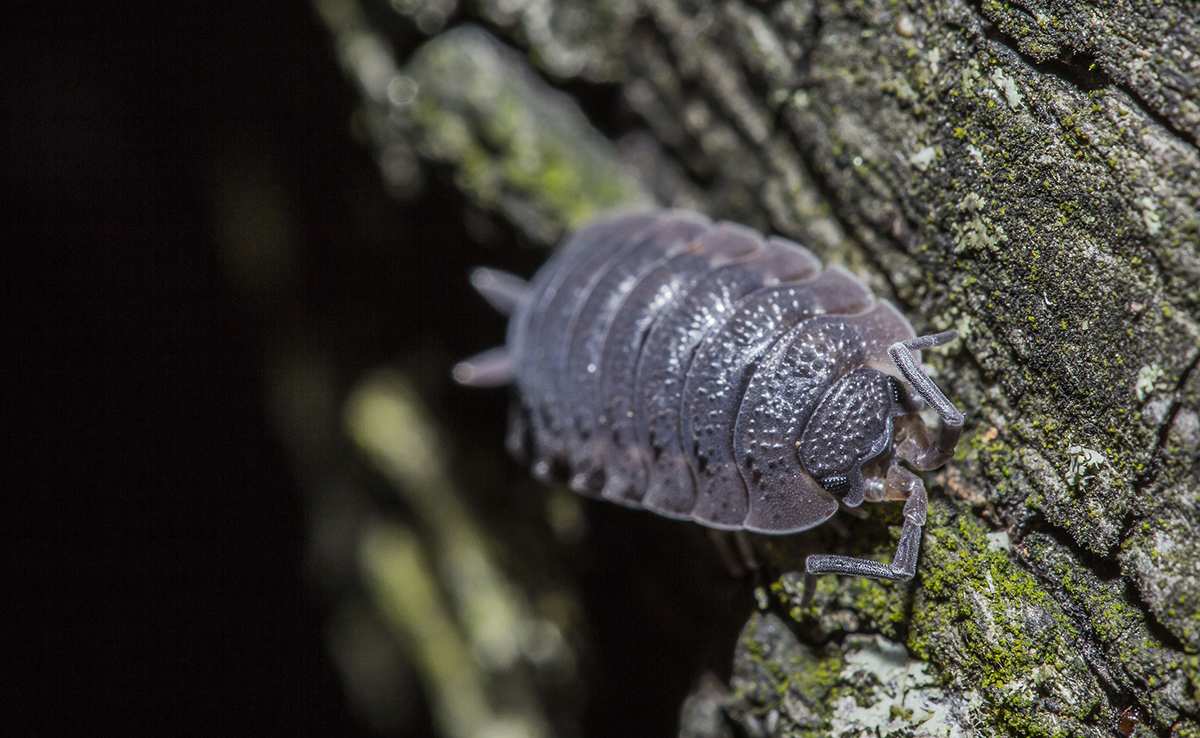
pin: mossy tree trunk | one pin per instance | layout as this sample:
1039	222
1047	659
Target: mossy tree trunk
1025	173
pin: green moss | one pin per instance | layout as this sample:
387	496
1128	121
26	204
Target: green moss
1119	631
514	145
990	621
776	674
812	676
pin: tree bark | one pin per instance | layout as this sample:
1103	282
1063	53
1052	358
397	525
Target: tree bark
1025	173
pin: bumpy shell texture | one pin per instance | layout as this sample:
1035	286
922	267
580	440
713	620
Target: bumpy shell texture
702	371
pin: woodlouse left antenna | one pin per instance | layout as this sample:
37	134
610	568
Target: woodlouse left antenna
908	486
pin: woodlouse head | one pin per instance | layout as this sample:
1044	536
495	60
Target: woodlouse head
850	428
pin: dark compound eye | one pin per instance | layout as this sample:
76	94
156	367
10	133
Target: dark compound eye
897	390
836	485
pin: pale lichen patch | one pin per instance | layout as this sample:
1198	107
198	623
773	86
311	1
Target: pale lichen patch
905	699
1085	464
978	231
1150	215
1147	376
1007	86
924	158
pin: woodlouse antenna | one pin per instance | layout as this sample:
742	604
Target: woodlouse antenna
950	427
905	485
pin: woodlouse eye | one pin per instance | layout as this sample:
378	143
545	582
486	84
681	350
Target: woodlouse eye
897	390
837	484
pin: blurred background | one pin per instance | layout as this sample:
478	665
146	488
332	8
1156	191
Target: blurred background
247	498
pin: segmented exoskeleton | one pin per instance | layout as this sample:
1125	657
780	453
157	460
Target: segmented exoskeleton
704	372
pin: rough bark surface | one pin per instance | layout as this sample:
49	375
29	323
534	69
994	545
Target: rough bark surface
1026	173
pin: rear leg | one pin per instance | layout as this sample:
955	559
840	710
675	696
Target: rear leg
739	558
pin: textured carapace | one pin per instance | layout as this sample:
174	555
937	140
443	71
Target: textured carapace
705	372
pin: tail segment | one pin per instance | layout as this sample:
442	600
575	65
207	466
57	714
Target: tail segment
502	290
505	292
492	368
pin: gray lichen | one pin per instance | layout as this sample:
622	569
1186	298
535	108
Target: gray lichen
464	100
865	685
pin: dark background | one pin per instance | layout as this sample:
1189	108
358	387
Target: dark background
154	571
155	577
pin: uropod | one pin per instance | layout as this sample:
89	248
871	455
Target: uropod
704	372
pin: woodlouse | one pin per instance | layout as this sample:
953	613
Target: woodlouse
702	371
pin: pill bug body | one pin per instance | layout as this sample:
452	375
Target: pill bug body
705	372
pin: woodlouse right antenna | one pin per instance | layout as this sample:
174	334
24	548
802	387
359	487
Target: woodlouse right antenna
950	427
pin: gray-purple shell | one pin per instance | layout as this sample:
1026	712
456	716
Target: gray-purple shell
704	372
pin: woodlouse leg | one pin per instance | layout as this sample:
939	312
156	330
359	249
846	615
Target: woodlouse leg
720	541
900	483
517	440
736	562
502	290
857	512
874	490
492	368
742	539
950	427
